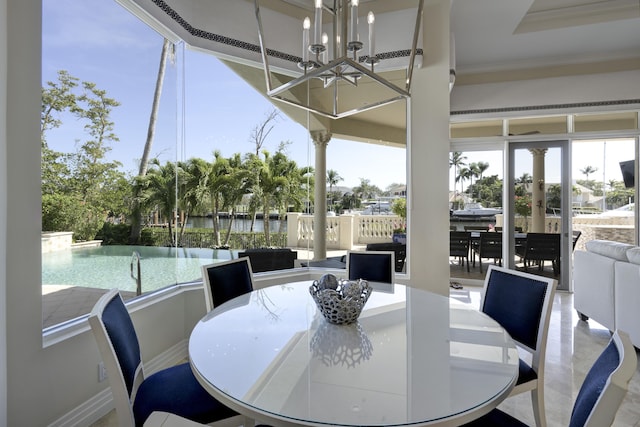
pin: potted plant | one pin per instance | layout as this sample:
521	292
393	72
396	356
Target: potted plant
399	207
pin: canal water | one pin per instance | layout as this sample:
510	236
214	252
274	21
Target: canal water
239	225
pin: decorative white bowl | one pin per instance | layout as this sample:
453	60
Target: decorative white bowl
340	305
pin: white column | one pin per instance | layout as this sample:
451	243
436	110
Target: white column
320	140
538	202
428	156
26	361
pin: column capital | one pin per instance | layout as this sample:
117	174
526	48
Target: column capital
320	137
538	151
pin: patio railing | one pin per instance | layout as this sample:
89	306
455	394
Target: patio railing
342	232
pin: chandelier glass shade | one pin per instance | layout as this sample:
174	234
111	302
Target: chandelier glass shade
326	57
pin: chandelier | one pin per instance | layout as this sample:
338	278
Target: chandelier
328	58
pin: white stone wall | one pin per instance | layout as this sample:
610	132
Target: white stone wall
56	241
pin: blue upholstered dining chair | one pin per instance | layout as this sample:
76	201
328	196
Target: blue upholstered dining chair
601	393
226	280
174	390
374	266
521	303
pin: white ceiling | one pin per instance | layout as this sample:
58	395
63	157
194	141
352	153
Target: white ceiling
493	35
495	41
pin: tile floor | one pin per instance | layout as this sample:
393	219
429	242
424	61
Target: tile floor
573	346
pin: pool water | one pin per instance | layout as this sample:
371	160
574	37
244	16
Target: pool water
109	267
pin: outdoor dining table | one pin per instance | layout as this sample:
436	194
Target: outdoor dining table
412	358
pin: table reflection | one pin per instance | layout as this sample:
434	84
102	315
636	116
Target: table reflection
413	357
346	345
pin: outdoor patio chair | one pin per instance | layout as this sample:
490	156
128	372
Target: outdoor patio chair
270	259
375	266
489	246
399	252
516	229
476	228
601	393
541	247
226	280
460	246
521	303
136	396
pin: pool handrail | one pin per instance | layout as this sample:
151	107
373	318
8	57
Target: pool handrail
136	256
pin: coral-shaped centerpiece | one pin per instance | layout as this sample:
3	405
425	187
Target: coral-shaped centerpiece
340	301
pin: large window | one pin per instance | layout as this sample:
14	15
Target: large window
475	205
158	159
603	190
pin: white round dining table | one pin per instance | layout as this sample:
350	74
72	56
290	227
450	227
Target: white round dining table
413	358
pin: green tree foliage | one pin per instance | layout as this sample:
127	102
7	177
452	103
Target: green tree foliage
488	191
350	201
554	196
399	207
523	205
618	195
366	190
157	191
80	189
333	178
457	161
63	212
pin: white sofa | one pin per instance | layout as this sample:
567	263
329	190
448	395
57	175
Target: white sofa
606	283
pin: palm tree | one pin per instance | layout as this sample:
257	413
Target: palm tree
333	178
521	184
482	167
588	170
524	179
144	161
366	190
218	178
457	161
271	183
463	175
235	187
474	172
194	190
157	189
293	190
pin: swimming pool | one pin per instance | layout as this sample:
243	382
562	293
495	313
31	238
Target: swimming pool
109	267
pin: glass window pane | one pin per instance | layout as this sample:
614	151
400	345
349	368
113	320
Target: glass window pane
226	170
98	91
603	201
538	125
605	122
475	204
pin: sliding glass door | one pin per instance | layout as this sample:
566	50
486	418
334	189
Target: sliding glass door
538	226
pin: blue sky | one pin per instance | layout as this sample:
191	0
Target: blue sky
99	41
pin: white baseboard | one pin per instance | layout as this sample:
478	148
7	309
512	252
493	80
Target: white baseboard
101	404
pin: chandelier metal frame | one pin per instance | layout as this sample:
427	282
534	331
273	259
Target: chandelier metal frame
344	68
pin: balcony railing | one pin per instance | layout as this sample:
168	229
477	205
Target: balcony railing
342	232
